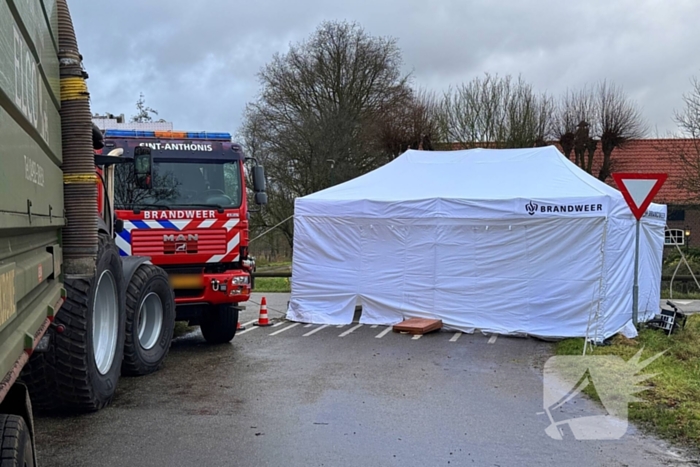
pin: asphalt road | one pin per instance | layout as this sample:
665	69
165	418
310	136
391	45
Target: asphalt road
319	399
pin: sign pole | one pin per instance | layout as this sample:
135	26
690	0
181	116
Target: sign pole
635	291
638	190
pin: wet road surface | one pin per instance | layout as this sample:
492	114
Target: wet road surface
293	395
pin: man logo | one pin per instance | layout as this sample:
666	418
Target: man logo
531	208
180	243
181	238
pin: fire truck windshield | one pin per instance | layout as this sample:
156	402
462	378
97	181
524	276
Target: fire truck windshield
180	183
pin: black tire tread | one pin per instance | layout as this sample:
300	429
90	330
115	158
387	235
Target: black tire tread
219	324
11	430
39	376
142	275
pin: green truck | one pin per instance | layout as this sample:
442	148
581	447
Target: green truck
67	329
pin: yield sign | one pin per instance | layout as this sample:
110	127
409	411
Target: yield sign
639	189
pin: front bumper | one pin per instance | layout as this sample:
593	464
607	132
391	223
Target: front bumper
211	288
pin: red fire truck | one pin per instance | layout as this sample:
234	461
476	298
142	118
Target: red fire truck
181	200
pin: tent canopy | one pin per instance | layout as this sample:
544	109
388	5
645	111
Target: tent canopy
509	241
477	174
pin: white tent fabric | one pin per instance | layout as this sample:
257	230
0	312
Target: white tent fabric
517	241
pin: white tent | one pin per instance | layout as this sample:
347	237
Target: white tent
517	241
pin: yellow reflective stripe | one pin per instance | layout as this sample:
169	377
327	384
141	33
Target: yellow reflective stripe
73	88
79	178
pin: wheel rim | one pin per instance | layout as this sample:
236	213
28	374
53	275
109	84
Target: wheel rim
150	320
105	322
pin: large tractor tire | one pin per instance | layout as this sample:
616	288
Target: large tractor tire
219	324
88	354
150	320
16	449
80	369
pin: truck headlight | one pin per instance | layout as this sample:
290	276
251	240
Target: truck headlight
240	280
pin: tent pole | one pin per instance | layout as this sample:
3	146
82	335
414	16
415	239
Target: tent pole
635	296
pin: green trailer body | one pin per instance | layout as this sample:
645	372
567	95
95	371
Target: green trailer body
31	180
67	330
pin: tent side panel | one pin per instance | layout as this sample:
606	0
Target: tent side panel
386	259
619	271
325	270
566	267
619	277
541	277
651	250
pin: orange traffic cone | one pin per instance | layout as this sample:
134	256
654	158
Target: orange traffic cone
263	320
239	327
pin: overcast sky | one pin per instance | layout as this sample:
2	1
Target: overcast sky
196	61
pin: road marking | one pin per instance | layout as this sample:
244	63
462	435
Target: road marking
278	324
350	330
250	322
308	325
285	329
493	339
247	329
374	326
383	333
455	337
315	330
341	326
417	336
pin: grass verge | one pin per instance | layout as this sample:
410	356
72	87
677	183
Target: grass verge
680	295
263	265
671	406
272	284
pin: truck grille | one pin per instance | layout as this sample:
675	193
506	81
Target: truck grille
150	242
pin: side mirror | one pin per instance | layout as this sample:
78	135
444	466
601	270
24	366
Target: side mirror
258	179
98	139
261	198
118	225
143	167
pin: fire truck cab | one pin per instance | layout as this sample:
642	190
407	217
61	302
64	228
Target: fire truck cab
181	201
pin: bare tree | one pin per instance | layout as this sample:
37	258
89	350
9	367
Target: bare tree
320	113
602	115
143	112
689	119
281	178
497	112
413	124
687	150
575	126
620	121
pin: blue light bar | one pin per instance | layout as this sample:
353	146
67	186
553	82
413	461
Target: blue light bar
129	134
205	135
202	135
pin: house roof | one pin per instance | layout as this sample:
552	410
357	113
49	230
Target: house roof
652	156
655	156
